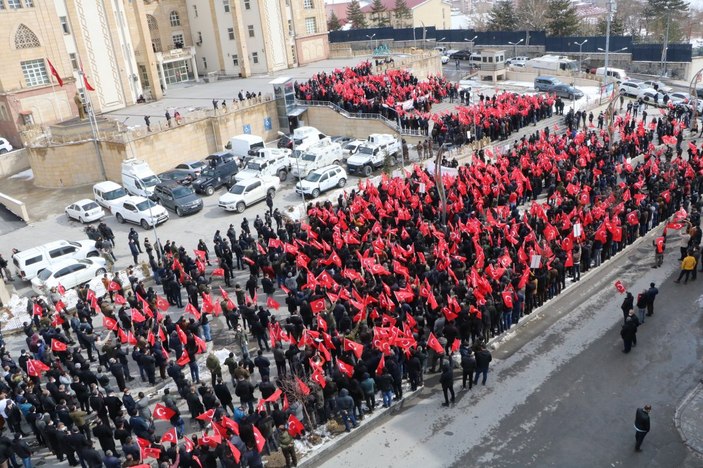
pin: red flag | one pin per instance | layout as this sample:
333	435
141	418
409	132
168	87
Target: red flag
235	451
434	343
455	345
55	74
35	367
260	441
85	81
163	412
61	289
37	309
271	303
57	345
354	347
207	415
218	272
317	306
620	287
303	386
137	316
345	368
295	427
191	309
274	396
170	436
114	286
151	452
162	304
119	299
381	365
188	445
183	360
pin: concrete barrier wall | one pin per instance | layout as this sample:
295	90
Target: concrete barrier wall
13	162
15	206
529	76
331	122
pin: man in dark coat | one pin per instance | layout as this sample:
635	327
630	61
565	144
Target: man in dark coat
641	425
447	381
483	360
629	332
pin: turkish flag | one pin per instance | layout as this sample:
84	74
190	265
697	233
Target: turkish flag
57	345
274	396
200	254
295	427
119	299
183	360
61	289
163	412
235	451
318	305
188	444
260	440
202	346
109	323
230	424
620	287
170	436
137	316
90	295
434	343
345	368
381	365
191	309
37	309
151	452
302	386
114	286
35	367
218	272
271	303
162	304
207	415
455	345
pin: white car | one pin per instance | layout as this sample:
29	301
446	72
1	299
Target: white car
140	210
351	148
5	146
659	86
70	273
248	192
264	167
631	88
194	168
679	96
321	180
85	211
648	95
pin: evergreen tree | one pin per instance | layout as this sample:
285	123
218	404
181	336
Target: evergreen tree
562	19
617	26
333	23
378	13
502	16
658	13
402	13
355	16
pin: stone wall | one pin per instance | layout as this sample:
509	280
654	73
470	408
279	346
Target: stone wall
13	162
77	163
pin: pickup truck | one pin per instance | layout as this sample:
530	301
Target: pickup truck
371	155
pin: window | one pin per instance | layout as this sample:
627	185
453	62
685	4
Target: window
235	60
292	52
290	27
34	72
195	10
225	3
311	25
177	40
151	22
2	4
74	61
156	45
29	3
251	30
230	33
64	25
25	38
247	5
255	57
307	4
175	19
204	63
14	4
200	38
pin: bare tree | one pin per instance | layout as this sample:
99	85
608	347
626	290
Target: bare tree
531	14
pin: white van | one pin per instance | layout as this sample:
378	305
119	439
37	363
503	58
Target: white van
29	263
108	194
324	153
240	145
138	178
617	73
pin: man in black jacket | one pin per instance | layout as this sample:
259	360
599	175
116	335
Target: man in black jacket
483	359
641	425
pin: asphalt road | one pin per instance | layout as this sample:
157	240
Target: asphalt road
561	392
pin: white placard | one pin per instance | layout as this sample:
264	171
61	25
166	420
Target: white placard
421	188
535	261
578	230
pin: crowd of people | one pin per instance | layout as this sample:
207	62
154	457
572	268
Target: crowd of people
380	289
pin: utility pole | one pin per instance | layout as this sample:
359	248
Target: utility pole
666	44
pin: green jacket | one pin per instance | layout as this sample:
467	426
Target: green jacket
284	439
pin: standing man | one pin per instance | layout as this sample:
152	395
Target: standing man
659	248
483	360
641	425
688	265
269	203
651	295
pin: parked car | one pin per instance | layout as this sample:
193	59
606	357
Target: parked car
213	177
69	273
248	192
29	262
546	83
179	176
658	85
651	95
321	180
567	91
342	140
351	148
193	167
5	146
631	88
677	96
260	167
85	211
142	211
220	158
461	55
178	198
108	194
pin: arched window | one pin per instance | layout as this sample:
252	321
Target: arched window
25	38
175	19
151	23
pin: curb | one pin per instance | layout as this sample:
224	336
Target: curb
682	408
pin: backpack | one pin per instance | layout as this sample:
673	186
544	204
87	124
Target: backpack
641	300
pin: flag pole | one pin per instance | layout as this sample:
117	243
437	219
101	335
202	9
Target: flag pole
93	123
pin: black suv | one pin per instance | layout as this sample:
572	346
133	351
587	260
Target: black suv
216	175
461	55
178	198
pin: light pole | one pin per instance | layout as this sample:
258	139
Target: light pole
371	38
693	91
665	46
515	44
471	41
580	51
297	165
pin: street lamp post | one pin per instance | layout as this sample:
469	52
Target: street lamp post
665	46
693	91
297	165
580	52
472	42
515	44
371	38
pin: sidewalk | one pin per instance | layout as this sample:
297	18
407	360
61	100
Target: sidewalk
689	419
